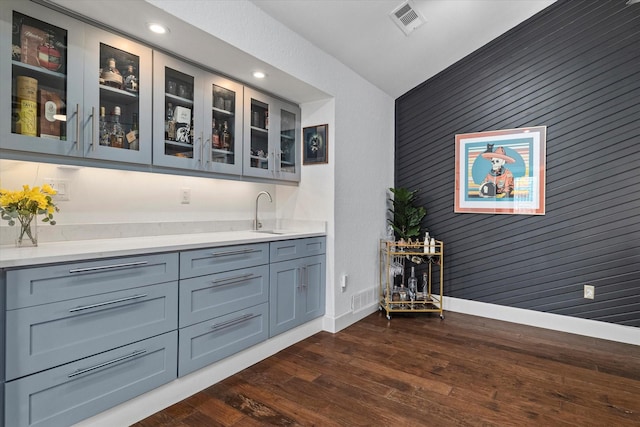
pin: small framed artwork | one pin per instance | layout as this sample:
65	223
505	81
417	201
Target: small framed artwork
501	172
315	145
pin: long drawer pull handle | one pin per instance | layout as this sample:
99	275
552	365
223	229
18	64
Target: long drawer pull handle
229	280
108	267
237	252
233	321
110	362
101	304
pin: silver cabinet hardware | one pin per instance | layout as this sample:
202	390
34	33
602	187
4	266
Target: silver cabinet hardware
101	304
110	362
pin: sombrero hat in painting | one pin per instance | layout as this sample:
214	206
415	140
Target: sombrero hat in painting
499	154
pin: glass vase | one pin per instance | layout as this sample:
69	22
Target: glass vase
27	231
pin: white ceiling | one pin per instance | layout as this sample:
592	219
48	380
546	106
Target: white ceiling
361	34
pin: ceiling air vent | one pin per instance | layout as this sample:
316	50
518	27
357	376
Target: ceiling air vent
407	17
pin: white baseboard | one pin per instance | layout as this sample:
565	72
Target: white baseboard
556	322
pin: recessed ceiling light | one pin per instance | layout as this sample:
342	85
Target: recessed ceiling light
157	28
259	75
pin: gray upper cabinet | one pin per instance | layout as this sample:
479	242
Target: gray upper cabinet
271	137
178	117
197	118
25	80
61	77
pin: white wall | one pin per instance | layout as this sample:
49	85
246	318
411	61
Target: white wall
360	143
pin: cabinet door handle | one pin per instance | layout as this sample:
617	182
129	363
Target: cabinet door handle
102	304
93	128
236	252
77	125
108	267
232	322
305	278
110	362
230	280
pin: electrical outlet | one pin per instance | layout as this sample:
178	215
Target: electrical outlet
589	291
185	196
62	187
343	282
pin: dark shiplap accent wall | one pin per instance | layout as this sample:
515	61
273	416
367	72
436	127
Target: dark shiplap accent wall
575	68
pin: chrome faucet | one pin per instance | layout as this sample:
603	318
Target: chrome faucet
257	224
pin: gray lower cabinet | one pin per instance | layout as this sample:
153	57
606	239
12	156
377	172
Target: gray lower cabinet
85	336
297	285
224	294
82	337
207	342
69	393
46	336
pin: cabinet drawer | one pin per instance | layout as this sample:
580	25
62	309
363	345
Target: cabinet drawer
215	295
40	285
208	342
215	260
297	248
67	394
46	336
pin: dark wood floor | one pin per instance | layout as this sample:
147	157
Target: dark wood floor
421	371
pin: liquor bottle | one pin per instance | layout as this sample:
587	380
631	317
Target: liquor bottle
226	136
266	120
103	137
117	133
215	135
169	125
413	284
130	80
132	136
111	75
425	286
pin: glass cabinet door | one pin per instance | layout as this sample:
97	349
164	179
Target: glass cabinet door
288	152
117	99
177	113
225	139
39	101
258	149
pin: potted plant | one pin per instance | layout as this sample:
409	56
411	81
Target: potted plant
405	215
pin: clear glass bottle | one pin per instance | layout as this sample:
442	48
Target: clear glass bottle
412	284
130	79
103	137
117	133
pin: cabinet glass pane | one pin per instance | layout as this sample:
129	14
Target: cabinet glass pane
39	78
287	141
259	135
223	131
119	98
178	113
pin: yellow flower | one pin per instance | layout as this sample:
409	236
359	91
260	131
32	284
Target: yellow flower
25	204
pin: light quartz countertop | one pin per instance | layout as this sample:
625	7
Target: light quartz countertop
66	251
